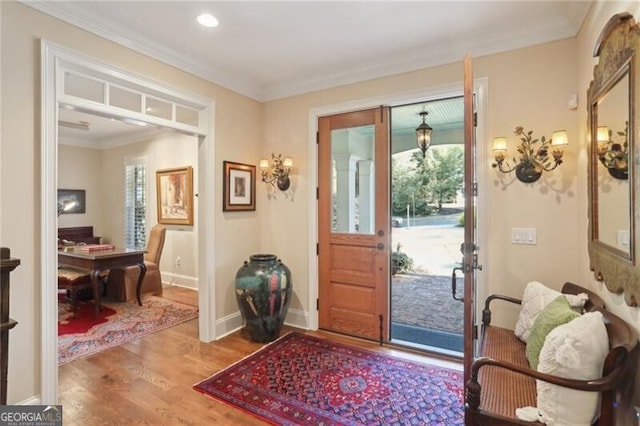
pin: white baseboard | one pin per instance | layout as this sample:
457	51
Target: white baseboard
34	400
297	318
228	325
187	281
231	323
234	322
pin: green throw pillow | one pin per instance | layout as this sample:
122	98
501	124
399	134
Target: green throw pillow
556	313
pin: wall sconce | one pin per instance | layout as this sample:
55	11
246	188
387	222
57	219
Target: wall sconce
533	161
66	205
277	173
423	134
614	155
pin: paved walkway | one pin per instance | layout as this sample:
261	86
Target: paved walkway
423	297
426	301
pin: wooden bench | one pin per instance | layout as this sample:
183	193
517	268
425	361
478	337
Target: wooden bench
502	381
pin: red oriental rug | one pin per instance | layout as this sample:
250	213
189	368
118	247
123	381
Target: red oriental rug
305	380
118	323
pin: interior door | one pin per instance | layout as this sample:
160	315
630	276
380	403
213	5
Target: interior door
353	218
469	247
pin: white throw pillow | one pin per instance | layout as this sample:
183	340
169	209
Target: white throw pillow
536	297
575	350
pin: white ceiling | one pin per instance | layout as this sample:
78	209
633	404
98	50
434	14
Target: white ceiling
273	49
268	49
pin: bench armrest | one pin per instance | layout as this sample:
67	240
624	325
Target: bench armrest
473	388
486	312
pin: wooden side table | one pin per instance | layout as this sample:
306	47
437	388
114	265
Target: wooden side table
7	264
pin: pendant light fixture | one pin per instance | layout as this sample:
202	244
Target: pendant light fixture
423	134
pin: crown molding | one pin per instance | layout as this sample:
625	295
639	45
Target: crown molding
138	43
449	51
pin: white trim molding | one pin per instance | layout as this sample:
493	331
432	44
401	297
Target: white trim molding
414	96
54	61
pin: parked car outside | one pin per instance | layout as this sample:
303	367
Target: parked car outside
396	221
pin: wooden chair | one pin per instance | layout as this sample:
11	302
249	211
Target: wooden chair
73	280
122	282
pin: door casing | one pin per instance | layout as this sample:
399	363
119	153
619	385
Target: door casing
53	57
391	100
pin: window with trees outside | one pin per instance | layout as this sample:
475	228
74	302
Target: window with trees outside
427	183
135	203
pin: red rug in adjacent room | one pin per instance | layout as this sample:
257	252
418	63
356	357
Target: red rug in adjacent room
84	319
118	323
301	380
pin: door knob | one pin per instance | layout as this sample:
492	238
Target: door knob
380	246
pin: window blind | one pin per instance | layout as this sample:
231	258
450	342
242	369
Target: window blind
135	204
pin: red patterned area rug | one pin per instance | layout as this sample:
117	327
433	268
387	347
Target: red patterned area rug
305	380
118	323
84	319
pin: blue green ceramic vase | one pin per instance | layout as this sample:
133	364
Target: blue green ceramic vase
263	292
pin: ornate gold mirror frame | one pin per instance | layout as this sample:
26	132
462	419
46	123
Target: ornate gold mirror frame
612	98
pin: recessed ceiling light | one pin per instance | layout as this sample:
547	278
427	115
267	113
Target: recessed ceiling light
207	20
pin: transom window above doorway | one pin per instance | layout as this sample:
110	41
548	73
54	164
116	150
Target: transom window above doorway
132	99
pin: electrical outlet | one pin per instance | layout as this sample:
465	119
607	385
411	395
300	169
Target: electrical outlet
178	261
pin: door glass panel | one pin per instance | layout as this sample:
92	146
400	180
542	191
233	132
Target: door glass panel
352	180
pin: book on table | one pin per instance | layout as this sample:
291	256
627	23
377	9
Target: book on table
90	248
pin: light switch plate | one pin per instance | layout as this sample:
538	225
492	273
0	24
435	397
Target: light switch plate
523	236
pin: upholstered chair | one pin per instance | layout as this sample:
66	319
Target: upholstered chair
122	282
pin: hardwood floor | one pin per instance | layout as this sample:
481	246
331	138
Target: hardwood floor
149	380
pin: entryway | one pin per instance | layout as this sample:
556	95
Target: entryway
427	208
428	228
189	114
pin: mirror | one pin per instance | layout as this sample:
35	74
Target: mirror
612	190
613	178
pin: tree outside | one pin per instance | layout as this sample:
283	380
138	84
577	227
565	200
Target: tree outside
427	183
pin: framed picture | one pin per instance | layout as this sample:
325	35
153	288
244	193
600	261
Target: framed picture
239	187
71	201
175	196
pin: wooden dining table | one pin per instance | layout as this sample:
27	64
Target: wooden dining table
103	260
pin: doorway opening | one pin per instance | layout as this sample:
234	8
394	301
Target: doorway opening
427	221
188	114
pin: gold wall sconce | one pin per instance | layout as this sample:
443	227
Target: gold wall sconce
534	159
277	172
614	154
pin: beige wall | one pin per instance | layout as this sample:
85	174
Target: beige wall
169	151
522	91
236	234
81	168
